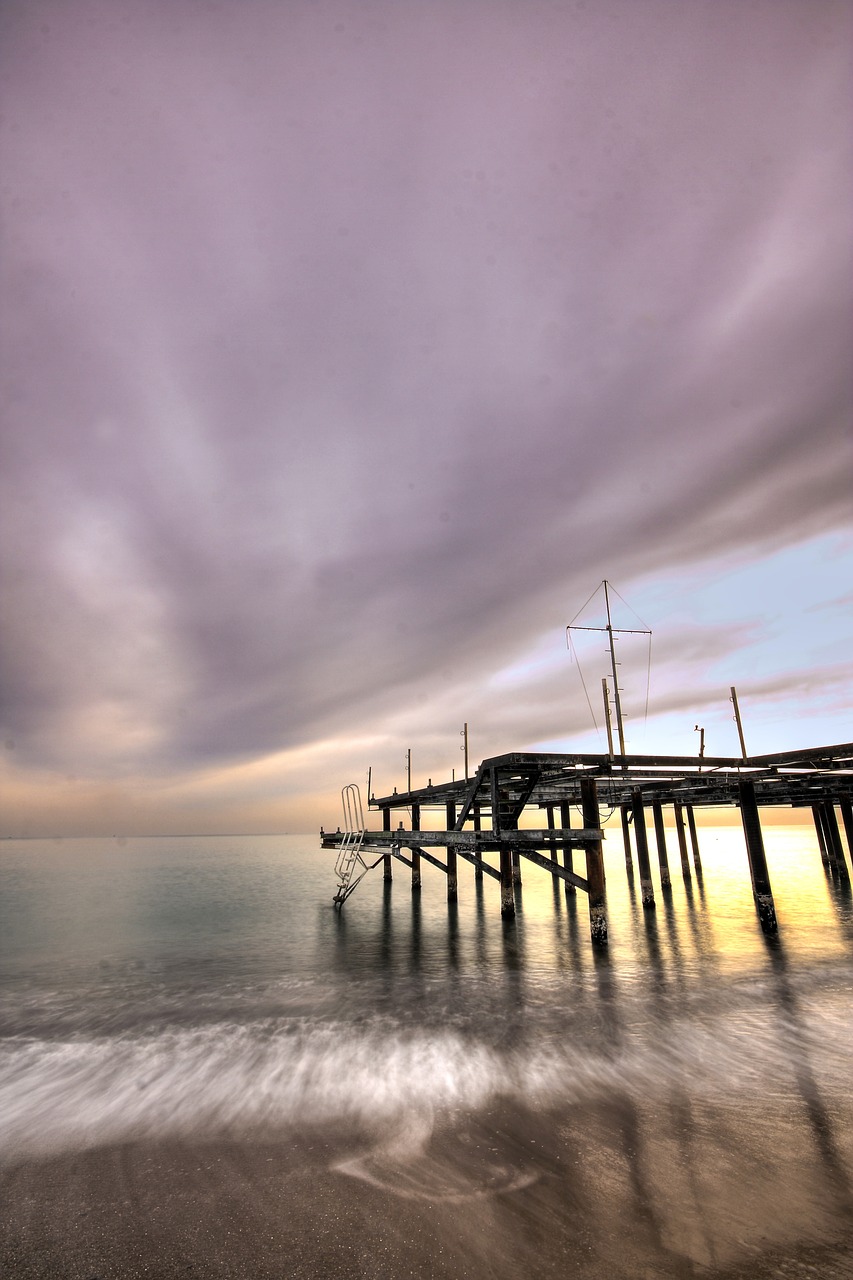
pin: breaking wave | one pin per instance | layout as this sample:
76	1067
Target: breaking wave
261	1078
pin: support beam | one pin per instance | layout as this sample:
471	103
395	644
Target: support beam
833	840
550	864
646	887
428	857
452	874
478	866
694	838
416	852
387	875
821	837
507	892
594	865
761	890
846	807
660	840
678	814
625	811
549	814
568	857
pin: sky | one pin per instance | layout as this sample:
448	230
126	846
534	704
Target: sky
346	348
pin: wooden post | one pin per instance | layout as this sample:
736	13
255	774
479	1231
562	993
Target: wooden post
625	811
478	871
594	865
761	890
568	852
678	813
819	832
387	874
552	848
416	853
507	892
660	840
646	887
694	838
846	808
833	841
452	875
516	867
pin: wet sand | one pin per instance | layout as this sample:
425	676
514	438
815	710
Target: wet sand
609	1190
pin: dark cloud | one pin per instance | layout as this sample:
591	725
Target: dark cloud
346	344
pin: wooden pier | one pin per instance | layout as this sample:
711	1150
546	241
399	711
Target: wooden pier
499	813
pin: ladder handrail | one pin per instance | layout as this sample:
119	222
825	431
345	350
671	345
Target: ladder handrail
349	853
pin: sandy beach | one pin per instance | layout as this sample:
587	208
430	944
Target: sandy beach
605	1191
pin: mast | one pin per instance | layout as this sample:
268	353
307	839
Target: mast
616	699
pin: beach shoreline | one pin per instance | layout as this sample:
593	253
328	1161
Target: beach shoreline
601	1191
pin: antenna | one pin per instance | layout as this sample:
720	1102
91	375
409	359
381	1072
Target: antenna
611	632
464	734
737	720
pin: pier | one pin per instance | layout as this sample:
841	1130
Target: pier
544	808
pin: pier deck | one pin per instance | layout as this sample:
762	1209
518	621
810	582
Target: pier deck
492	812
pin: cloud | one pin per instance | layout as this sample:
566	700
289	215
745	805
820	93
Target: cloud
344	347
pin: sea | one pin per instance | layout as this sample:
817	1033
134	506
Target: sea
207	1069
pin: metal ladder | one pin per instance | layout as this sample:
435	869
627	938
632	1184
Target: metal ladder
352	845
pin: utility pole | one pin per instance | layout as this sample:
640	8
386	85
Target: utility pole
737	721
620	728
605	694
611	633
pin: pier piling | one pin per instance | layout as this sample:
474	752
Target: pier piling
678	814
761	890
646	887
660	840
821	836
594	865
415	851
568	858
625	811
694	837
452	873
487	820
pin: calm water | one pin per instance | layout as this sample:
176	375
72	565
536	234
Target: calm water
204	989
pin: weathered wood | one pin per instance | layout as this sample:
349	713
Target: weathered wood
429	857
694	837
452	874
550	864
833	840
478	865
678	815
761	890
568	857
647	891
660	840
846	808
416	850
594	866
817	815
507	890
549	814
624	811
387	874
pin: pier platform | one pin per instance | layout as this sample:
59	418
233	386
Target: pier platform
499	812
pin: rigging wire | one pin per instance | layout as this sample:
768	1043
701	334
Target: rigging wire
576	659
583	606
